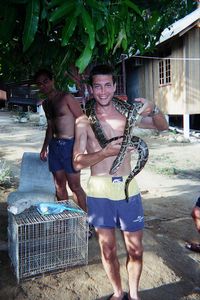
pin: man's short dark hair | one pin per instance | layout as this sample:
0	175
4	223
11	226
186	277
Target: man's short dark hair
45	72
101	70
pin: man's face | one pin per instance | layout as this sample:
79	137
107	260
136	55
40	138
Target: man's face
103	89
45	84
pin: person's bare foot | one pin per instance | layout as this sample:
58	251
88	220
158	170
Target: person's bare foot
129	297
124	296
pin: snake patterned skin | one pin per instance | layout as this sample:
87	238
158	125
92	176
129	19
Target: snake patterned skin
130	111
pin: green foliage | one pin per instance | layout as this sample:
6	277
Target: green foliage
31	23
68	29
4	173
60	34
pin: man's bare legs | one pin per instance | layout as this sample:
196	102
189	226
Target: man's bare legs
133	241
79	195
107	242
61	179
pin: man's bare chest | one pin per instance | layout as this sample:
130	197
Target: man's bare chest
112	126
58	109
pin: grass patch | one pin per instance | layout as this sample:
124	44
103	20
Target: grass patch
164	170
5	173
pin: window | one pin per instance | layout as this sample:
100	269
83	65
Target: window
164	72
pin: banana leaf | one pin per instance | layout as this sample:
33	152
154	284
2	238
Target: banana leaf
89	27
68	29
97	5
110	26
70	26
31	23
124	43
62	11
132	5
53	3
121	36
99	22
83	61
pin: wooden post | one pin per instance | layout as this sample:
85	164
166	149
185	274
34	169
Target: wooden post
186	125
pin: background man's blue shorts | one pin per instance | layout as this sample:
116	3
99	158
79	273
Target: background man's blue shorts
60	155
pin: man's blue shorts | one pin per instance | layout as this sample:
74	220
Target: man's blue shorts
107	207
60	155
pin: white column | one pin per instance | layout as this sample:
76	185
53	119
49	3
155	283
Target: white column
186	125
167	118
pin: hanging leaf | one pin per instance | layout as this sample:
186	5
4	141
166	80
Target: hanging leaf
121	36
31	23
99	22
89	27
128	26
62	11
68	29
70	26
110	26
124	43
43	10
100	6
53	3
64	61
85	58
102	39
133	6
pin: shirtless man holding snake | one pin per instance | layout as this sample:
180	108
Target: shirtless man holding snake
61	110
107	207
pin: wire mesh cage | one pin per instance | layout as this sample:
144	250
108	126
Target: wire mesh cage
39	244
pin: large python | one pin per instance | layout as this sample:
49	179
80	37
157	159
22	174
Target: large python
130	111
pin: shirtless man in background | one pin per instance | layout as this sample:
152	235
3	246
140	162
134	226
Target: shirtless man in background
107	206
61	110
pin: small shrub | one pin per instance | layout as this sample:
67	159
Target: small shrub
4	173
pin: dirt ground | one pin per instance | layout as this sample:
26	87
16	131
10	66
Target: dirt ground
169	184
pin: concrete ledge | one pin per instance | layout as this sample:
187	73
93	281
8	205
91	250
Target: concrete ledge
36	184
35	175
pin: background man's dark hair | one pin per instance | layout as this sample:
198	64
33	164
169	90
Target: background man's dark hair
45	72
101	70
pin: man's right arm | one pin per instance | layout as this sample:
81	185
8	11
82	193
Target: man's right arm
48	135
81	159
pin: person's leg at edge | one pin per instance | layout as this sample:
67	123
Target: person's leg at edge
193	246
79	195
60	181
133	242
196	217
107	243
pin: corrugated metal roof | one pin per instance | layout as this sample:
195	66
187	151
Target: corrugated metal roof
179	26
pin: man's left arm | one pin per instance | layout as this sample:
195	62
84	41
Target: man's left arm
152	116
74	106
